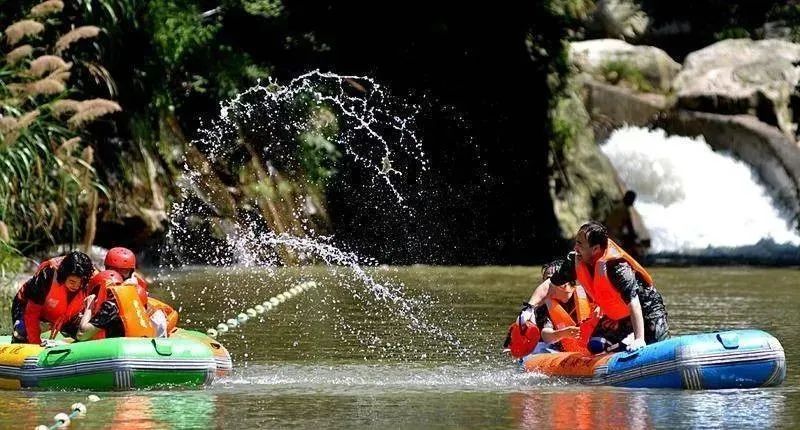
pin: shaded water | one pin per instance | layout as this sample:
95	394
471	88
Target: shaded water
320	360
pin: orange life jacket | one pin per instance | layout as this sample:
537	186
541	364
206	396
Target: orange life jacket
132	313
58	308
561	319
599	286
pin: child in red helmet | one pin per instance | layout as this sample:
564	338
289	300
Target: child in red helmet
123	261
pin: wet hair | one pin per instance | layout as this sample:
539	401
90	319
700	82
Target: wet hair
596	234
550	268
629	198
75	263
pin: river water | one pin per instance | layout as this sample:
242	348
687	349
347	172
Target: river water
325	359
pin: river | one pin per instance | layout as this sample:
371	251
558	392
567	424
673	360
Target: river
326	359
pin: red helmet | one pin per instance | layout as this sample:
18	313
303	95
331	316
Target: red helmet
120	258
102	279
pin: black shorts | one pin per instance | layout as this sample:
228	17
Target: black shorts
655	329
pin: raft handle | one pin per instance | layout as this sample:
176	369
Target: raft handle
625	356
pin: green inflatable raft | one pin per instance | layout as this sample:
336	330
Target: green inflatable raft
186	359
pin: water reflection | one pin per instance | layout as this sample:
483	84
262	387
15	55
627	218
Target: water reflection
639	409
162	411
581	410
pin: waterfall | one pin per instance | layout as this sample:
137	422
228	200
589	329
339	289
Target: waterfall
692	198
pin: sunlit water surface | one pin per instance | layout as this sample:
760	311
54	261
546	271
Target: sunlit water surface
320	361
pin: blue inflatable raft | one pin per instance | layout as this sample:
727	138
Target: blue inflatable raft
725	359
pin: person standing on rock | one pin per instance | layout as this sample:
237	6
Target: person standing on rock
625	227
617	284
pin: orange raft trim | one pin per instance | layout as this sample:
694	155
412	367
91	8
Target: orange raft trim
571	364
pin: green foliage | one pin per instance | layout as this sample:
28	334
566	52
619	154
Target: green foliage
623	72
732	33
178	30
263	8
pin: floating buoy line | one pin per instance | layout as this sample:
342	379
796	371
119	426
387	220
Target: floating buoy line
267	305
62	420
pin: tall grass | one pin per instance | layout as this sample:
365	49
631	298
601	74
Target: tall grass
47	181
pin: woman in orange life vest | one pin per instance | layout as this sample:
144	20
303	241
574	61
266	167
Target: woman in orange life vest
112	309
54	294
620	286
566	307
564	323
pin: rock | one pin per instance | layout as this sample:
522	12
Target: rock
740	76
620	19
612	107
597	57
583	185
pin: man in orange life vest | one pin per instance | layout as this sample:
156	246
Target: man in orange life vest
54	294
123	261
621	288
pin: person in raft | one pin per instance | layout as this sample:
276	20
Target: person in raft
633	310
54	294
123	261
112	308
564	320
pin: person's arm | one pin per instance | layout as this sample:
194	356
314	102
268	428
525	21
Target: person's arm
86	330
34	292
540	293
623	278
637	320
551	335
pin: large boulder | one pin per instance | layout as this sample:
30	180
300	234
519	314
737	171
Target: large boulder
605	57
583	184
743	76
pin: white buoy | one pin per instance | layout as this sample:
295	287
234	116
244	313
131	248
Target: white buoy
93	398
242	318
80	407
250	312
42	427
211	333
232	323
62	420
259	309
222	327
288	295
281	297
274	301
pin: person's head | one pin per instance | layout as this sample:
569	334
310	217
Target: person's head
104	278
561	293
120	260
629	198
75	270
591	242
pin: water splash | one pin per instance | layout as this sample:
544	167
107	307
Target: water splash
691	197
264	123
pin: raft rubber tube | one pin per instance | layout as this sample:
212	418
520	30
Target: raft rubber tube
718	360
185	359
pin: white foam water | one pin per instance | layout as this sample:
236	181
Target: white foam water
691	197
